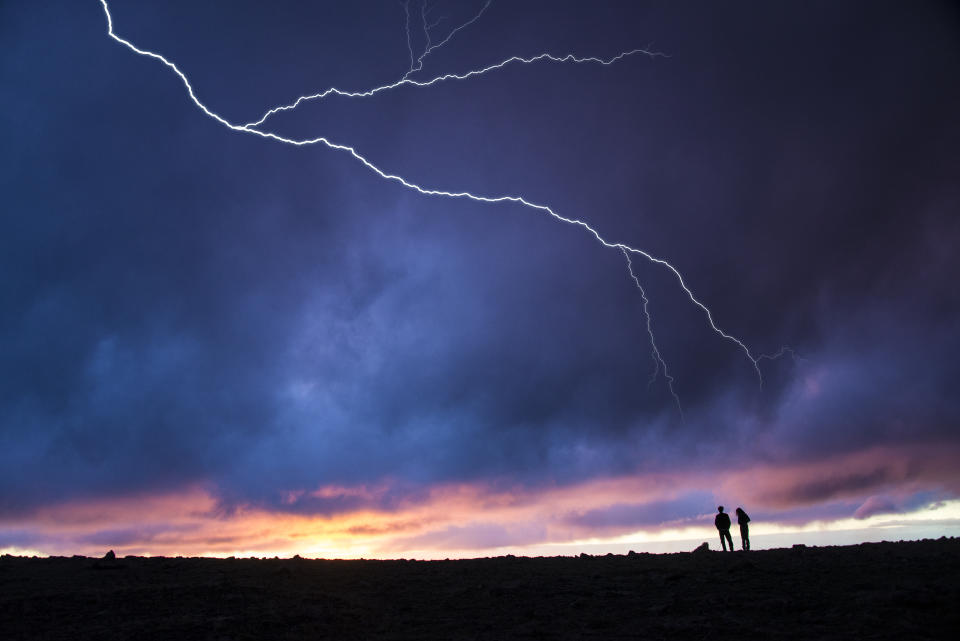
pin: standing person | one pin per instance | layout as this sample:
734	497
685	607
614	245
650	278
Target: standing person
722	521
743	519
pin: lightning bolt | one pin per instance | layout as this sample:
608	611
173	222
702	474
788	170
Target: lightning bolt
422	83
251	128
428	48
406	11
782	351
658	361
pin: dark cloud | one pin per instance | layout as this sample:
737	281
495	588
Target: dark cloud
183	304
898	503
840	485
629	517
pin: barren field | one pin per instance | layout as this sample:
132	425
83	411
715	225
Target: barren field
906	590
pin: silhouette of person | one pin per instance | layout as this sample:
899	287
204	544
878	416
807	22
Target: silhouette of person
722	521
743	519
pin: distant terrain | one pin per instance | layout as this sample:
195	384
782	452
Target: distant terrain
905	590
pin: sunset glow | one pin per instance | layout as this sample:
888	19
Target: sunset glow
653	513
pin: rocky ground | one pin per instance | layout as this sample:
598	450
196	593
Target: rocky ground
907	590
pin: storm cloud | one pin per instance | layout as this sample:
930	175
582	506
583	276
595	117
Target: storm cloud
181	304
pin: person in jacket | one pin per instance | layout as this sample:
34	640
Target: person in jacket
742	520
722	521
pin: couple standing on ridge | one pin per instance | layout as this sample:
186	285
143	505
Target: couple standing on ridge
723	524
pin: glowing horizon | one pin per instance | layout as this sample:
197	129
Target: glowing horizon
653	513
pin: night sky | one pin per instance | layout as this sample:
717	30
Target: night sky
217	343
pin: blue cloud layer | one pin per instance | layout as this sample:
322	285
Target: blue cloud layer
179	303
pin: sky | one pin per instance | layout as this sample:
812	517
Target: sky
218	342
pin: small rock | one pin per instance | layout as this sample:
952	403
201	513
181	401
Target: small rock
108	562
703	547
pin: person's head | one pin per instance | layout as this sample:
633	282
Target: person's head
720	509
739	511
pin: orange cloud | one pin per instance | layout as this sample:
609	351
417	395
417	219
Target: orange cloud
472	519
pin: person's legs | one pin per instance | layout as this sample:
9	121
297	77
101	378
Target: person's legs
726	538
723	542
744	537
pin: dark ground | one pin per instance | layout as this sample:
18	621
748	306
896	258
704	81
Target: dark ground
898	591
